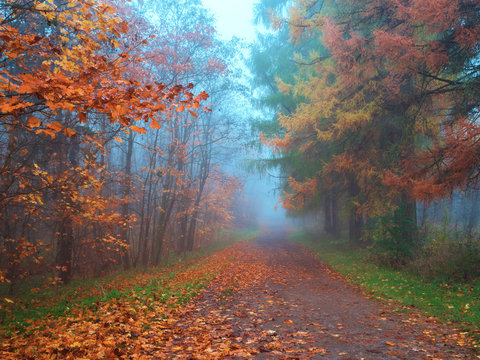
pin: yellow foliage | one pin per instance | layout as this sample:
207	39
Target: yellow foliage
283	87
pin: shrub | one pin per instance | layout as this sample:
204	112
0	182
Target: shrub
448	255
392	243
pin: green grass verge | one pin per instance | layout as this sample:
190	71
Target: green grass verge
18	319
449	302
20	310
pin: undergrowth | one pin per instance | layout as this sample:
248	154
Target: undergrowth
34	300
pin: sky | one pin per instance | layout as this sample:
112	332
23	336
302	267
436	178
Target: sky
234	18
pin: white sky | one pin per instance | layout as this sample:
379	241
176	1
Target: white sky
234	18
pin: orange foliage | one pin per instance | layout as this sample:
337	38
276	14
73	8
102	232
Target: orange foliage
384	87
445	166
301	193
62	90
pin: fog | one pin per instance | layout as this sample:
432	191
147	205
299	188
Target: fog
233	18
261	194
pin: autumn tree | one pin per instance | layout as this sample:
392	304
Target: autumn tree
173	161
63	74
275	62
390	101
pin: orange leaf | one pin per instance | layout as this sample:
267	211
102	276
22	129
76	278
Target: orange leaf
70	133
55	126
119	139
33	122
82	117
49	132
193	114
180	108
138	129
155	125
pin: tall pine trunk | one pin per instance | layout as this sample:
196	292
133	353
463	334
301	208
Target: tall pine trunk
330	209
327	213
410	231
354	218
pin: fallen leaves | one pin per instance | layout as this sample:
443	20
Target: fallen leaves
252	306
137	323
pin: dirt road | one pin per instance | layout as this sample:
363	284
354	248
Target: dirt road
285	304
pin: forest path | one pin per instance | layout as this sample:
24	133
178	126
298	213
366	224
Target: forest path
285	304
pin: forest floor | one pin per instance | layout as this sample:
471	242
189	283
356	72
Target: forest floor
269	299
291	306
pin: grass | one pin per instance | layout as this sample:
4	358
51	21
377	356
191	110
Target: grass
452	303
27	306
22	314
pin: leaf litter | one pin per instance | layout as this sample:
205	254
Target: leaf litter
267	299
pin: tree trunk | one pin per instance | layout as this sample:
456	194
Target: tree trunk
65	237
64	252
473	213
409	232
166	210
330	208
127	190
183	232
354	219
191	232
327	212
335	222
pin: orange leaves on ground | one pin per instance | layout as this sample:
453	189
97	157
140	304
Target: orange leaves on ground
135	324
261	298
